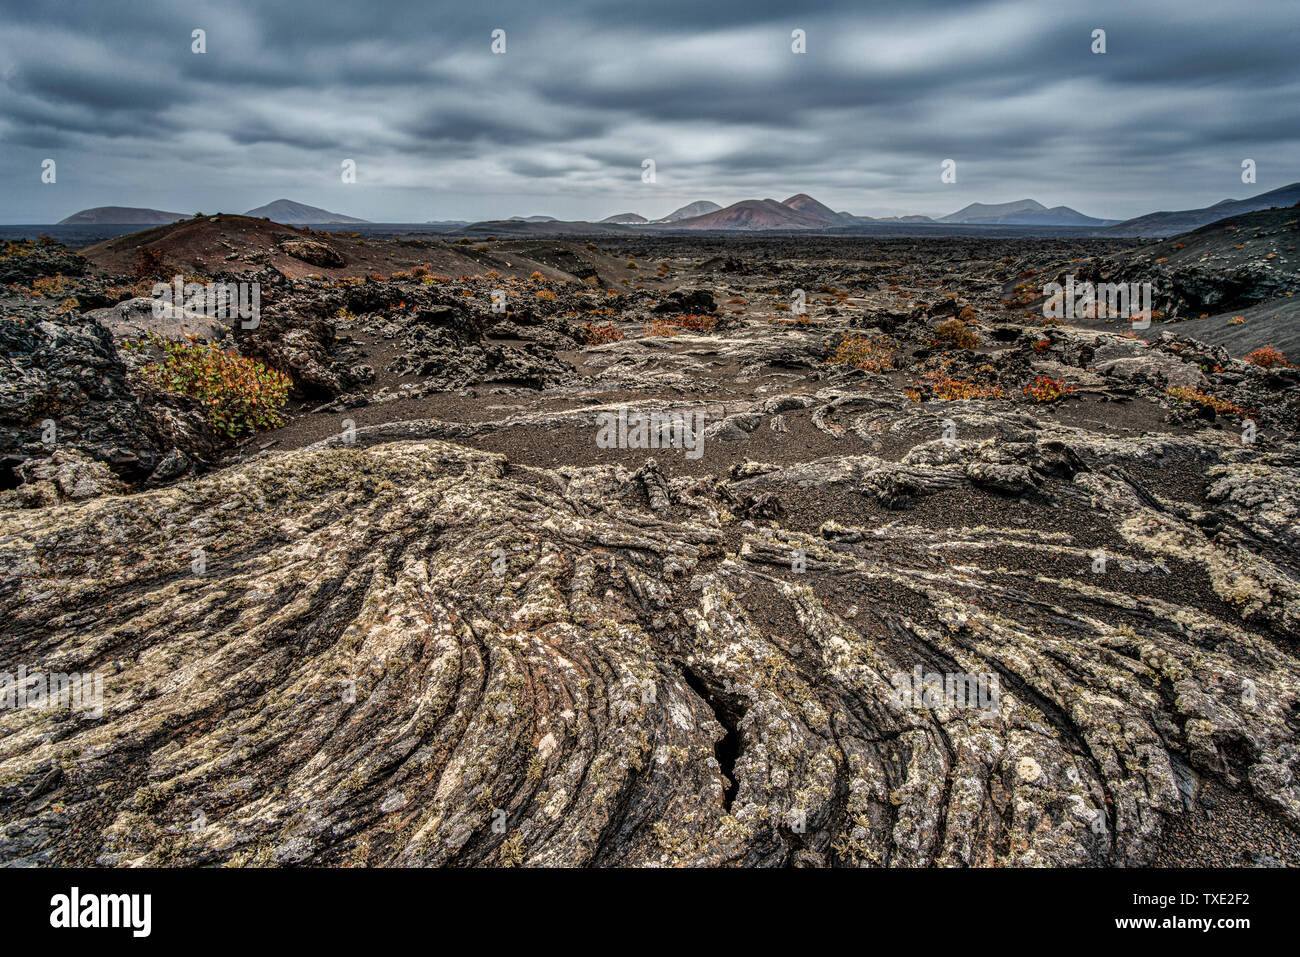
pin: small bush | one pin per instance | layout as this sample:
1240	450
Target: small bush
16	248
237	393
696	323
691	322
1267	357
661	327
50	287
546	294
956	332
1046	389
1206	401
599	335
870	355
939	384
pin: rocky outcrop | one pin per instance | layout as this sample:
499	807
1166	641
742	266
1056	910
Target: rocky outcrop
687	302
1133	359
65	475
1230	264
24	262
317	254
137	318
65	386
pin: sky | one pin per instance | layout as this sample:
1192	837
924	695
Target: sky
560	124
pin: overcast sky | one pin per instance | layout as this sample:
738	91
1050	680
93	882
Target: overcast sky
442	128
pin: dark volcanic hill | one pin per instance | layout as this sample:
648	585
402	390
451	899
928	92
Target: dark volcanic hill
121	215
763	214
1056	216
300	214
990	212
1024	212
241	245
627	218
803	203
1244	267
1169	223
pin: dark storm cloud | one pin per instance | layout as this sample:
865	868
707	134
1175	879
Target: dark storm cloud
502	126
441	128
249	132
77	85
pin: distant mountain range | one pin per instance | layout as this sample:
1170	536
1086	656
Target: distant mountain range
801	211
798	212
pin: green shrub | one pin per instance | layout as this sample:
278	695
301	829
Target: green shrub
237	393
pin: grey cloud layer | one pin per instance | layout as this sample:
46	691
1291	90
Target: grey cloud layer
441	128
